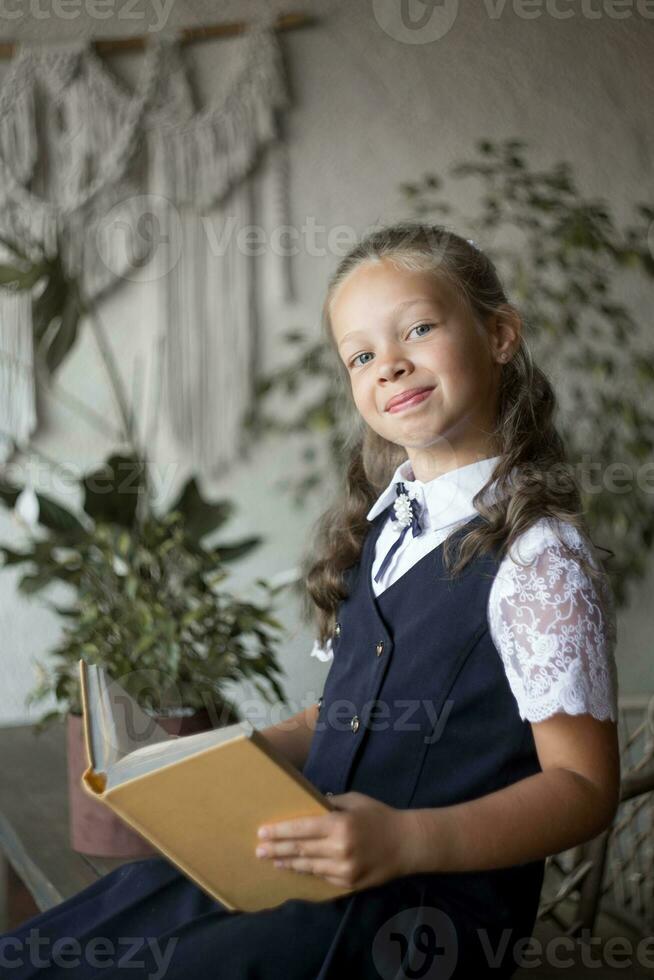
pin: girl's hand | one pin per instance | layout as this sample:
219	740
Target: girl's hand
363	843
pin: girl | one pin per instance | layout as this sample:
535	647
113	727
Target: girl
467	727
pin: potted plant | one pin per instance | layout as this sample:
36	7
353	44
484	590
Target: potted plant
149	605
147	599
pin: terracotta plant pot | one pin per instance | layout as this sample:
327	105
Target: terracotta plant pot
94	828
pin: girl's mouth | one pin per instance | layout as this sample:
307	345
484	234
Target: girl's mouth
409	402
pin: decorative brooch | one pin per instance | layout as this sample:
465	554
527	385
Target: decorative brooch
403	510
406	514
405	506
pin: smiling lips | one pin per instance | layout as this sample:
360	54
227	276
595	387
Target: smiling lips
412	396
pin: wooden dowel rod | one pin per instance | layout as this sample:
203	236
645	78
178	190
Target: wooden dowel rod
187	35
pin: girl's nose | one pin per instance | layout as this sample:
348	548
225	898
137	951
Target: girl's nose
393	366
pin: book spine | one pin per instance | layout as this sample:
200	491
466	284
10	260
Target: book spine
86	715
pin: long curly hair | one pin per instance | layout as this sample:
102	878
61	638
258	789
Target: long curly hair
534	476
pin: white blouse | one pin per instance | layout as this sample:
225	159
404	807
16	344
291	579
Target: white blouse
553	627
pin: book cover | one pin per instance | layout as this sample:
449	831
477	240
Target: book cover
202	810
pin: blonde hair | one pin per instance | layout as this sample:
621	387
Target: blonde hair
527	440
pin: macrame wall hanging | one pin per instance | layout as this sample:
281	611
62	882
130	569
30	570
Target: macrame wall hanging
75	146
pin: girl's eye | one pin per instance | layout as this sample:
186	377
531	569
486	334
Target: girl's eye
417	327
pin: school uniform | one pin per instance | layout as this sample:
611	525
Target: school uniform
432	685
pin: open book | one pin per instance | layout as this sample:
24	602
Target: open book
199	799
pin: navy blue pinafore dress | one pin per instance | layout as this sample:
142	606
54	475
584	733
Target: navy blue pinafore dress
417	712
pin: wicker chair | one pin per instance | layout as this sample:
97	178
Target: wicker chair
613	873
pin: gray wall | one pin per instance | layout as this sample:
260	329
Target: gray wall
371	109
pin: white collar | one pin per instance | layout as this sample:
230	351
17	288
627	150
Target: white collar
447	498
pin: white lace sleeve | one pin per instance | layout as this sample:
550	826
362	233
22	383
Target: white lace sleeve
554	628
322	653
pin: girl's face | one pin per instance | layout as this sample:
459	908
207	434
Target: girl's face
397	330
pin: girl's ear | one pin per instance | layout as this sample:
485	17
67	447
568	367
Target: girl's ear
505	329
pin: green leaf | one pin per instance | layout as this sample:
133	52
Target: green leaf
144	644
201	516
29	584
61	610
229	552
66	334
21	279
267	618
58	518
14	557
294	336
111	492
48	305
9	493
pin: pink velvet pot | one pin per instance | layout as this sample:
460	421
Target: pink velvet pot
94	828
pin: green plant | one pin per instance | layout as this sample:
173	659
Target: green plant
56	307
564	262
148	603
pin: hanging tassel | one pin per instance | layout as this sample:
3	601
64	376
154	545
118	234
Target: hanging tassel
17	396
281	208
209	392
198	162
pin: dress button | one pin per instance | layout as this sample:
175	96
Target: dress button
379	648
354	724
329	793
337	629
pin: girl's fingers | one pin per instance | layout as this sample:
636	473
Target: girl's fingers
297	848
308	827
323	867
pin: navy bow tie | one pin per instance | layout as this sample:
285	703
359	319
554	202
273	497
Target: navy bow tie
407	513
